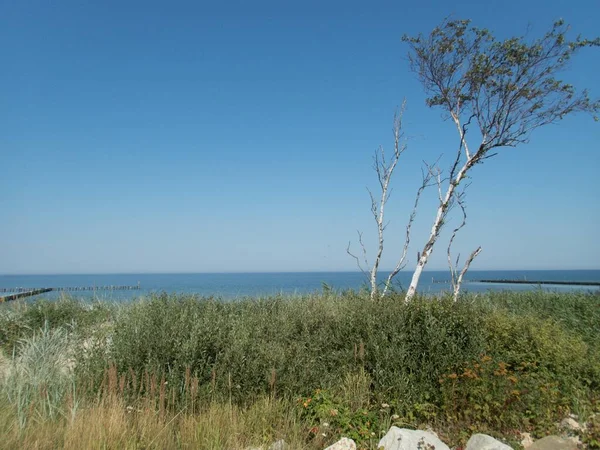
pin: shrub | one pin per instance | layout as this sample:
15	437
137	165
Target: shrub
478	364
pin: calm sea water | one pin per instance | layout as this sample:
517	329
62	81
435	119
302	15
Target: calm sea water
236	285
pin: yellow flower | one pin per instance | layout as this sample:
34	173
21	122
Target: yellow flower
469	373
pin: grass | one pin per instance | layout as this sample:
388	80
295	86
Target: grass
183	371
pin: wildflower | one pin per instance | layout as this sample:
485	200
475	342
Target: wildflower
468	373
325	424
501	369
385	405
395	417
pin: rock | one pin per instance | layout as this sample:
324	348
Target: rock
429	430
553	443
343	444
485	442
526	440
570	424
279	445
404	439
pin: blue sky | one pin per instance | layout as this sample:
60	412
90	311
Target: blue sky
196	137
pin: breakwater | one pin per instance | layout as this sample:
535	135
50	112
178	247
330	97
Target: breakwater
560	283
22	292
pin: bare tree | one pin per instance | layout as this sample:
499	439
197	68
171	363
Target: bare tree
384	169
505	89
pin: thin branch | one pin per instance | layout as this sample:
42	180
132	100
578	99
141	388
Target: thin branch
358	264
402	261
462	131
464	270
457	277
364	249
453	267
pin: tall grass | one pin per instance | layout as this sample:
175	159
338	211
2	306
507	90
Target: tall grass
38	381
115	425
173	371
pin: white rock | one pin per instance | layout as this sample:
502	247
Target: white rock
485	442
404	439
279	445
570	424
343	444
429	430
553	443
526	440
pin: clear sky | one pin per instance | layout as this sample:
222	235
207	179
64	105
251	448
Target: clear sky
203	137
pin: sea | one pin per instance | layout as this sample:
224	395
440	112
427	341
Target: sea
233	286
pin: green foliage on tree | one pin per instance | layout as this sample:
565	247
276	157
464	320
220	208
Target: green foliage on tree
507	87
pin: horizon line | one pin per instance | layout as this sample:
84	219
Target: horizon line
241	272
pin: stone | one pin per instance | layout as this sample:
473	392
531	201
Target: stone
485	442
279	445
570	424
553	443
526	440
429	430
343	444
576	440
405	439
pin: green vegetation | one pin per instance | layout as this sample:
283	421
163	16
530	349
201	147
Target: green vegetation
181	371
